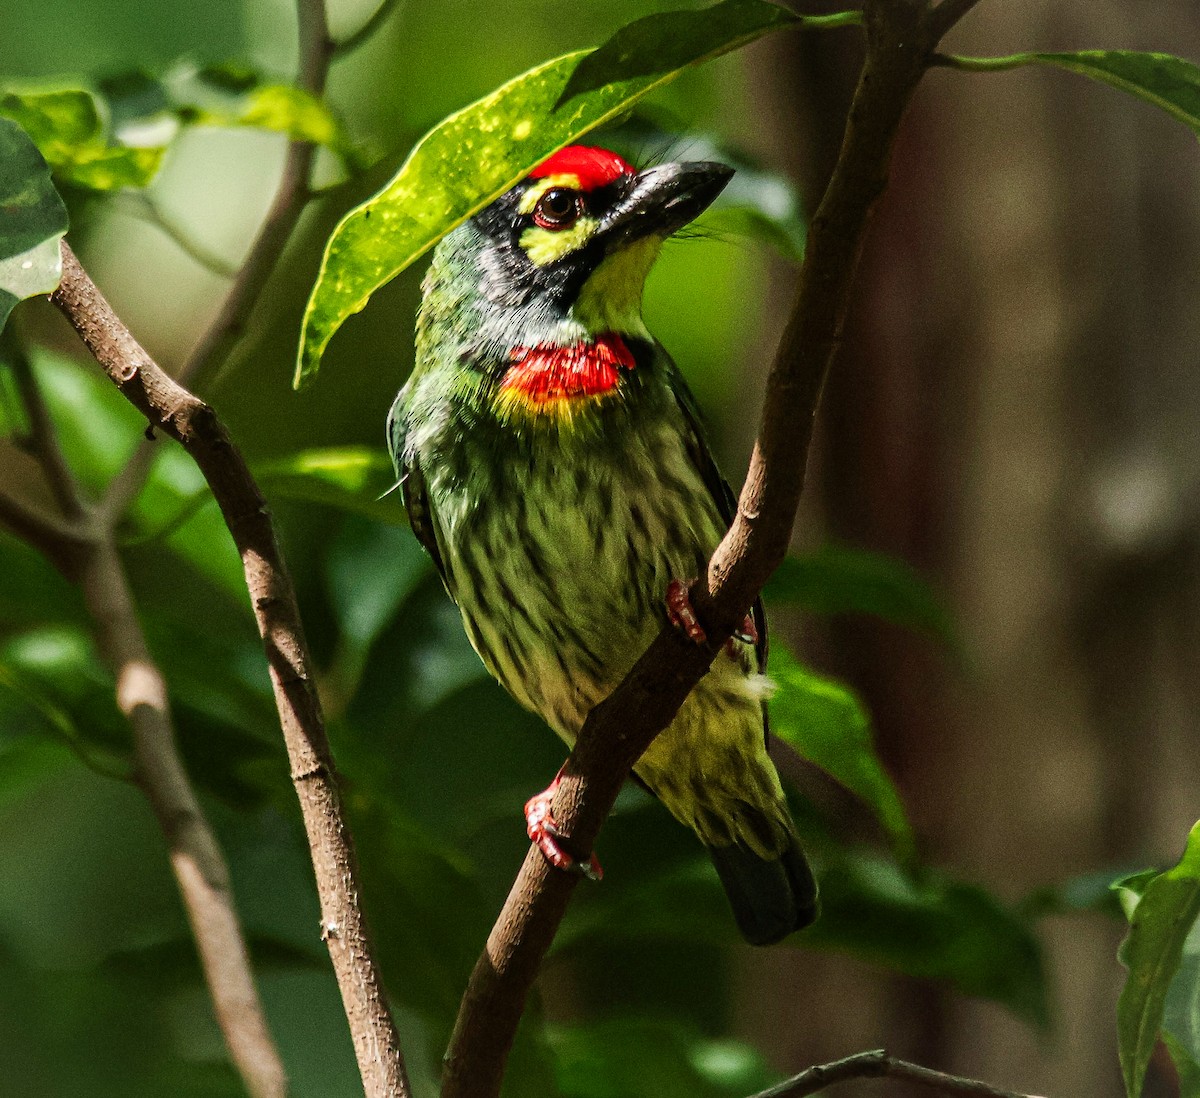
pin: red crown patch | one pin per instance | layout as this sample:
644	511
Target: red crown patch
594	166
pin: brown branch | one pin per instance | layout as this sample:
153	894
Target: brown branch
62	544
877	1064
196	859
947	13
228	326
900	41
43	439
170	408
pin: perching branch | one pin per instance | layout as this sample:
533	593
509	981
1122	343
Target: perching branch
172	409
901	37
877	1064
85	552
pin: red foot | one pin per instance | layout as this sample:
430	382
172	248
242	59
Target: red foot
682	616
543	831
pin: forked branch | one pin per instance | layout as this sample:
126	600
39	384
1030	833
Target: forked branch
901	37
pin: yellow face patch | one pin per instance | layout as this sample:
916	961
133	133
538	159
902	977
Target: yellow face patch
544	246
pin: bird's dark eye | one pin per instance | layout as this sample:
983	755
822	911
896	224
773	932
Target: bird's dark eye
558	208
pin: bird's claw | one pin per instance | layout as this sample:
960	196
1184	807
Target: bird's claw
543	831
683	616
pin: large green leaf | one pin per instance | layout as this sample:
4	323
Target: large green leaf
1152	952
828	725
67	127
481	151
32	221
1167	81
838	580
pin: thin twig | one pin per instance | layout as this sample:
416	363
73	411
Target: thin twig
900	41
228	326
43	438
140	205
377	18
63	545
876	1065
172	409
196	859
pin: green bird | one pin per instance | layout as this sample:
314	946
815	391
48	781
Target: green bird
552	464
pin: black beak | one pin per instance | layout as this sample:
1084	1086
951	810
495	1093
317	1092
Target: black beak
662	200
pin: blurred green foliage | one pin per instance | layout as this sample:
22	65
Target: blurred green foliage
98	978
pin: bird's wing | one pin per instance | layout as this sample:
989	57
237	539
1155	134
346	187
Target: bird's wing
722	494
413	492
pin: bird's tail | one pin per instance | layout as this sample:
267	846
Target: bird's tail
771	896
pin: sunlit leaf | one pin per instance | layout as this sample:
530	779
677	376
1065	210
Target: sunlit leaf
839	580
67	128
478	153
280	108
32	221
1168	82
1152	952
828	725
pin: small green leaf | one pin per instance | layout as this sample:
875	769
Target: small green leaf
1158	928
280	108
1162	79
837	580
66	127
33	220
481	151
58	121
828	725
